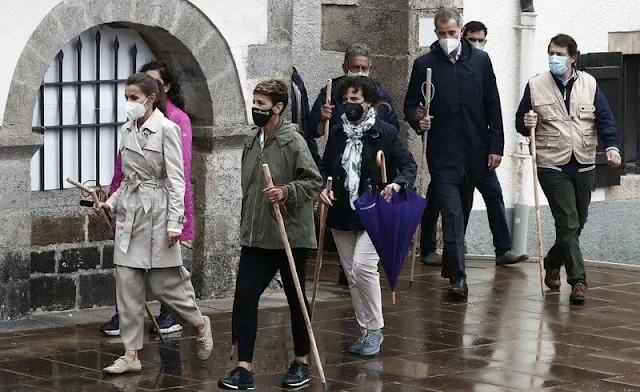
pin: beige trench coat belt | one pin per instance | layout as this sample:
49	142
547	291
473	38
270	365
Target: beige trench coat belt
133	185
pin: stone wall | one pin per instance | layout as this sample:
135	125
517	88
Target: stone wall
71	254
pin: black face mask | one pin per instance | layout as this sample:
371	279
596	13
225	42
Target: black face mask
353	111
261	117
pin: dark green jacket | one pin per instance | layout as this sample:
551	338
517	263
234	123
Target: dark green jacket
294	169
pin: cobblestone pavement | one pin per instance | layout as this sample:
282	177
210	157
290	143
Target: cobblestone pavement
505	337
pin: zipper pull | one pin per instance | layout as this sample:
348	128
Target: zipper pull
564	94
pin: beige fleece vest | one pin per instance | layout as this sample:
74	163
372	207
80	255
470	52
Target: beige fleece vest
560	134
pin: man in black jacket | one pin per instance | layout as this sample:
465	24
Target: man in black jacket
465	135
476	33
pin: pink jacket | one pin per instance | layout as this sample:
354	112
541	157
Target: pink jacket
181	118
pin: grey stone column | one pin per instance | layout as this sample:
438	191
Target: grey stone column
16	150
217	208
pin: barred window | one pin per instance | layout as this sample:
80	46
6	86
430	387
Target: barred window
80	106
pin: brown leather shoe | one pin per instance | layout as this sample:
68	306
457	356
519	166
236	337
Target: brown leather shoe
510	257
578	293
432	259
552	278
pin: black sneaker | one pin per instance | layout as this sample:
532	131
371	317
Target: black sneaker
166	322
111	327
297	376
238	379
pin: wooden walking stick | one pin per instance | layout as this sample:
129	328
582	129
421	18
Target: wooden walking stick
327	124
107	222
421	190
532	145
323	227
296	279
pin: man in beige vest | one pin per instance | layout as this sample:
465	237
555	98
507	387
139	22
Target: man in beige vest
570	113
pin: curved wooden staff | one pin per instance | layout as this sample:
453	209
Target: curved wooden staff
422	189
107	222
296	279
323	227
328	122
532	145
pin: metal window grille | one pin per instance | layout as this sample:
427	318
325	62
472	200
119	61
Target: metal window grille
79	107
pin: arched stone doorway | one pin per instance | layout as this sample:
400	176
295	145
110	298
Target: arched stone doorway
187	40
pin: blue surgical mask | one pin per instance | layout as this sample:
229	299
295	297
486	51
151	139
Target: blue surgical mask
558	65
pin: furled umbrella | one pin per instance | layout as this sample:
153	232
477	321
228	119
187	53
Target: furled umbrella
390	225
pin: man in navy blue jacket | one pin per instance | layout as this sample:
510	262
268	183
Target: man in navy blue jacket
490	189
464	130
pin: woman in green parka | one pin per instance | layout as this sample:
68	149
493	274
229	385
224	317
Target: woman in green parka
278	143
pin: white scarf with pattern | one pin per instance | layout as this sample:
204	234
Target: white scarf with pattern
352	156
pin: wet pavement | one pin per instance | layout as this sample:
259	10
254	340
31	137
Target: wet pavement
505	337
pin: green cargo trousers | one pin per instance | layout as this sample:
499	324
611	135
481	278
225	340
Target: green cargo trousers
569	196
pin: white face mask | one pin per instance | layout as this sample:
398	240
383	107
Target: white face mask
350	73
449	44
478	45
135	110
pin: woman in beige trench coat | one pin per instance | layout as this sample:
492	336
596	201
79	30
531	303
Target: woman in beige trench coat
149	210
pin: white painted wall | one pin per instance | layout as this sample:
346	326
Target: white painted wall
241	22
587	21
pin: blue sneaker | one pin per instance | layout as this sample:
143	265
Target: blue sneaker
372	344
111	327
166	323
356	348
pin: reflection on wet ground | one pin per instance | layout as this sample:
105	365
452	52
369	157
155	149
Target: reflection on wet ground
505	337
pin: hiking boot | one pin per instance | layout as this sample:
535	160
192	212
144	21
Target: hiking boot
372	344
111	327
356	348
552	278
297	376
124	365
166	323
238	379
205	341
578	293
432	259
510	257
459	290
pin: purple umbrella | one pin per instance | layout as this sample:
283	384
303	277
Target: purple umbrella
391	226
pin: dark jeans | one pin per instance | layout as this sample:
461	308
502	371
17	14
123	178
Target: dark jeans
569	196
257	269
492	194
455	202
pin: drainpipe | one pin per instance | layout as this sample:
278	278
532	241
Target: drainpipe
524	180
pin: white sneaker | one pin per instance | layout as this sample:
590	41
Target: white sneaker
205	341
124	365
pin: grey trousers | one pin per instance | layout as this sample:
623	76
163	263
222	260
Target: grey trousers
172	286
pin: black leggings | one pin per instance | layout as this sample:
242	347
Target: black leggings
257	268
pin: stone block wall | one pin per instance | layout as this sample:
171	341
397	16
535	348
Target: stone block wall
71	254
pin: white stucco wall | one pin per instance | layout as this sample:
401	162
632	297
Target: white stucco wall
241	22
587	21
